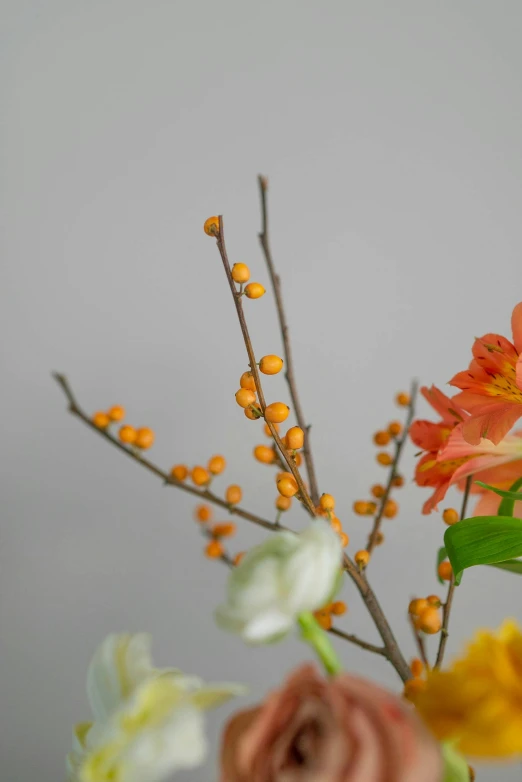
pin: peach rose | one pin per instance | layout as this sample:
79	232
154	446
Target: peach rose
343	729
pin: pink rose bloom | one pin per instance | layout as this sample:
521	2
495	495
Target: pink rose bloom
342	729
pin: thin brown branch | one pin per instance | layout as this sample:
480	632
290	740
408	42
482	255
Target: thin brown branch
421	646
399	445
446	611
303	494
283	324
353	639
202	494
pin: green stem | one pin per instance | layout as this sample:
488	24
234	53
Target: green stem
312	634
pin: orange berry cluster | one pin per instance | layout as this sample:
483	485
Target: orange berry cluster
200	476
324	615
214	548
240	271
425	613
326	508
246	396
142	437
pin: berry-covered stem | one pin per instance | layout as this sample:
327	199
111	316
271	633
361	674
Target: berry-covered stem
303	494
451	588
421	646
399	445
203	494
289	366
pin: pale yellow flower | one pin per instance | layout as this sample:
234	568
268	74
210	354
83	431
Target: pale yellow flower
477	702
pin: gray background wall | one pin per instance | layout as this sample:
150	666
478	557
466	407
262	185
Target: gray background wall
391	133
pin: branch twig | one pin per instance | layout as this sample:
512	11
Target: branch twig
421	646
289	372
353	639
451	588
399	445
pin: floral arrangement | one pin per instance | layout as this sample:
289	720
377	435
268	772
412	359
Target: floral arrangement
324	723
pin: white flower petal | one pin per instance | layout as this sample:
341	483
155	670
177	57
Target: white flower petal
267	627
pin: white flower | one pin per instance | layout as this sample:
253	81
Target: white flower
148	722
280	579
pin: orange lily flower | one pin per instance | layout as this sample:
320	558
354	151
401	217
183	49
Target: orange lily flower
491	389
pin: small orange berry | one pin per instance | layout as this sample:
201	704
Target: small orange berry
335	524
395	428
372	507
116	413
429	621
344	539
323	619
298	459
211	226
378	491
254	290
233	494
327	502
361	508
287	486
144	438
362	558
445	571
216	464
384	458
127	434
240	272
214	549
417	606
245	397
379	539
247	381
224	530
450	516
284	474
270	365
416	667
203	513
179	472
390	509
266	429
239	556
200	476
339	608
412	688
402	399
277	412
253	412
264	454
434	600
283	503
381	438
101	420
294	438
398	481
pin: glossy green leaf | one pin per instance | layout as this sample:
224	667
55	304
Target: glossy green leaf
483	540
508	495
455	765
513	565
507	506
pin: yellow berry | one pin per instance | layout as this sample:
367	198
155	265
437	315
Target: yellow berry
384	458
127	434
144	438
398	481
362	558
417	606
287	486
294	438
450	516
362	508
224	530
390	509
179	472
434	600
254	290
233	494
240	272
335	524
283	503
416	667
277	412
101	420
214	550
429	621
339	608
395	428
247	381
381	438
402	399
266	429
116	413
327	502
211	226
344	539
253	412
203	513
445	571
200	476
270	365
264	454
217	464
378	491
245	397
239	556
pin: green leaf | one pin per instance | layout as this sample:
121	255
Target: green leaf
455	766
441	556
508	495
483	540
507	506
513	565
